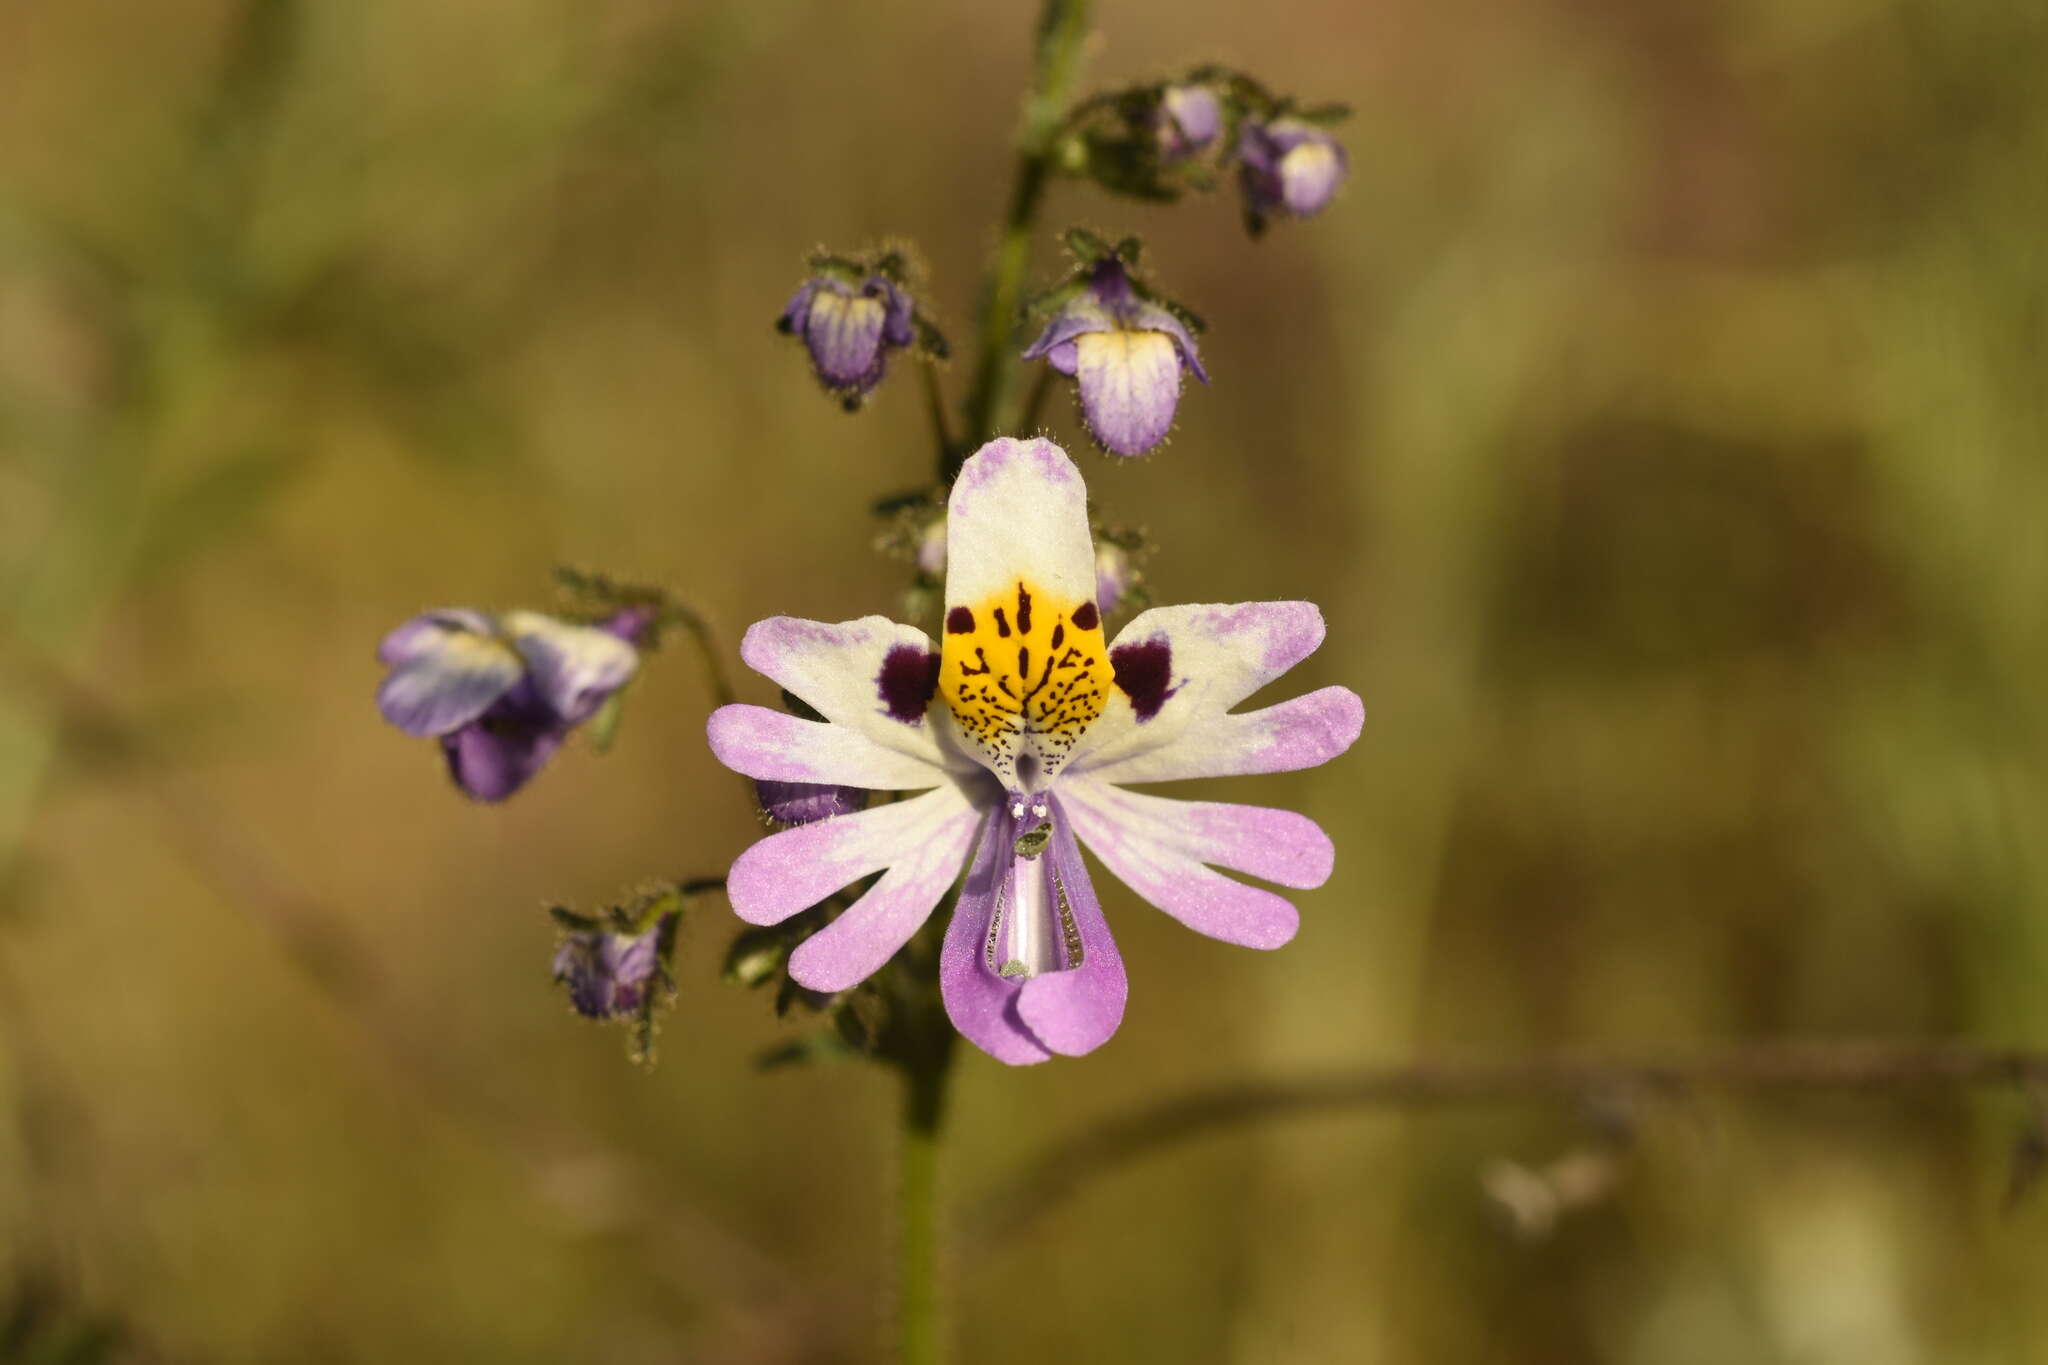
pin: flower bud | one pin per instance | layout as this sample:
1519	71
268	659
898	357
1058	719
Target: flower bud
804	803
1126	350
1116	575
1187	121
850	314
930	551
1288	166
609	973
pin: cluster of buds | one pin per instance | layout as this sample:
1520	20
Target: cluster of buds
618	966
1158	141
851	313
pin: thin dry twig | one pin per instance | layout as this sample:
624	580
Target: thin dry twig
1863	1067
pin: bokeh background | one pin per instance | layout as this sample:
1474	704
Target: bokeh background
1659	419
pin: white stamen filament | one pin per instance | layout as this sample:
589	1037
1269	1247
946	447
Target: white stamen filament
1033	929
1029	944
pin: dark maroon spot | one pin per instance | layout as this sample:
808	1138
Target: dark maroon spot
1002	624
1023	611
1085	616
1024	663
959	621
1059	636
1143	671
909	677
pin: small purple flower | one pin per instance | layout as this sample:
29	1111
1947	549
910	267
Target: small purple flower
608	972
502	694
1127	353
1288	166
849	328
1017	750
803	803
1188	121
930	551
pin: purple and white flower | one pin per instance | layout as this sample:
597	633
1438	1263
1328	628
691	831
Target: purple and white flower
1020	731
1187	122
501	694
849	328
1290	166
1126	351
608	973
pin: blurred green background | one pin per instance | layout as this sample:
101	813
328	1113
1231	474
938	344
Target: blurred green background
1660	419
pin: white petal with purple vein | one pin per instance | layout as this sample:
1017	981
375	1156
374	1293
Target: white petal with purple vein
758	742
1157	864
1181	666
872	675
1301	733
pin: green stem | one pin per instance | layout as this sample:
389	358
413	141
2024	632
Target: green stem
935	403
1035	403
919	1321
706	641
1062	30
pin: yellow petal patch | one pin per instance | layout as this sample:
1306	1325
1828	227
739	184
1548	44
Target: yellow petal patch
1024	674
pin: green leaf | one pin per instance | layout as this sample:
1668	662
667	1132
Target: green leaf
604	726
1324	115
755	957
1085	245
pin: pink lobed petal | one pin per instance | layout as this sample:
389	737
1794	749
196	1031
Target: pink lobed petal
855	946
795	869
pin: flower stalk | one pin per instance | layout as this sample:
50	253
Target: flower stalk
920	1322
1062	34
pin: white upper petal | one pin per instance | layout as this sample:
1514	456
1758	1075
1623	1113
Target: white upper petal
1019	511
